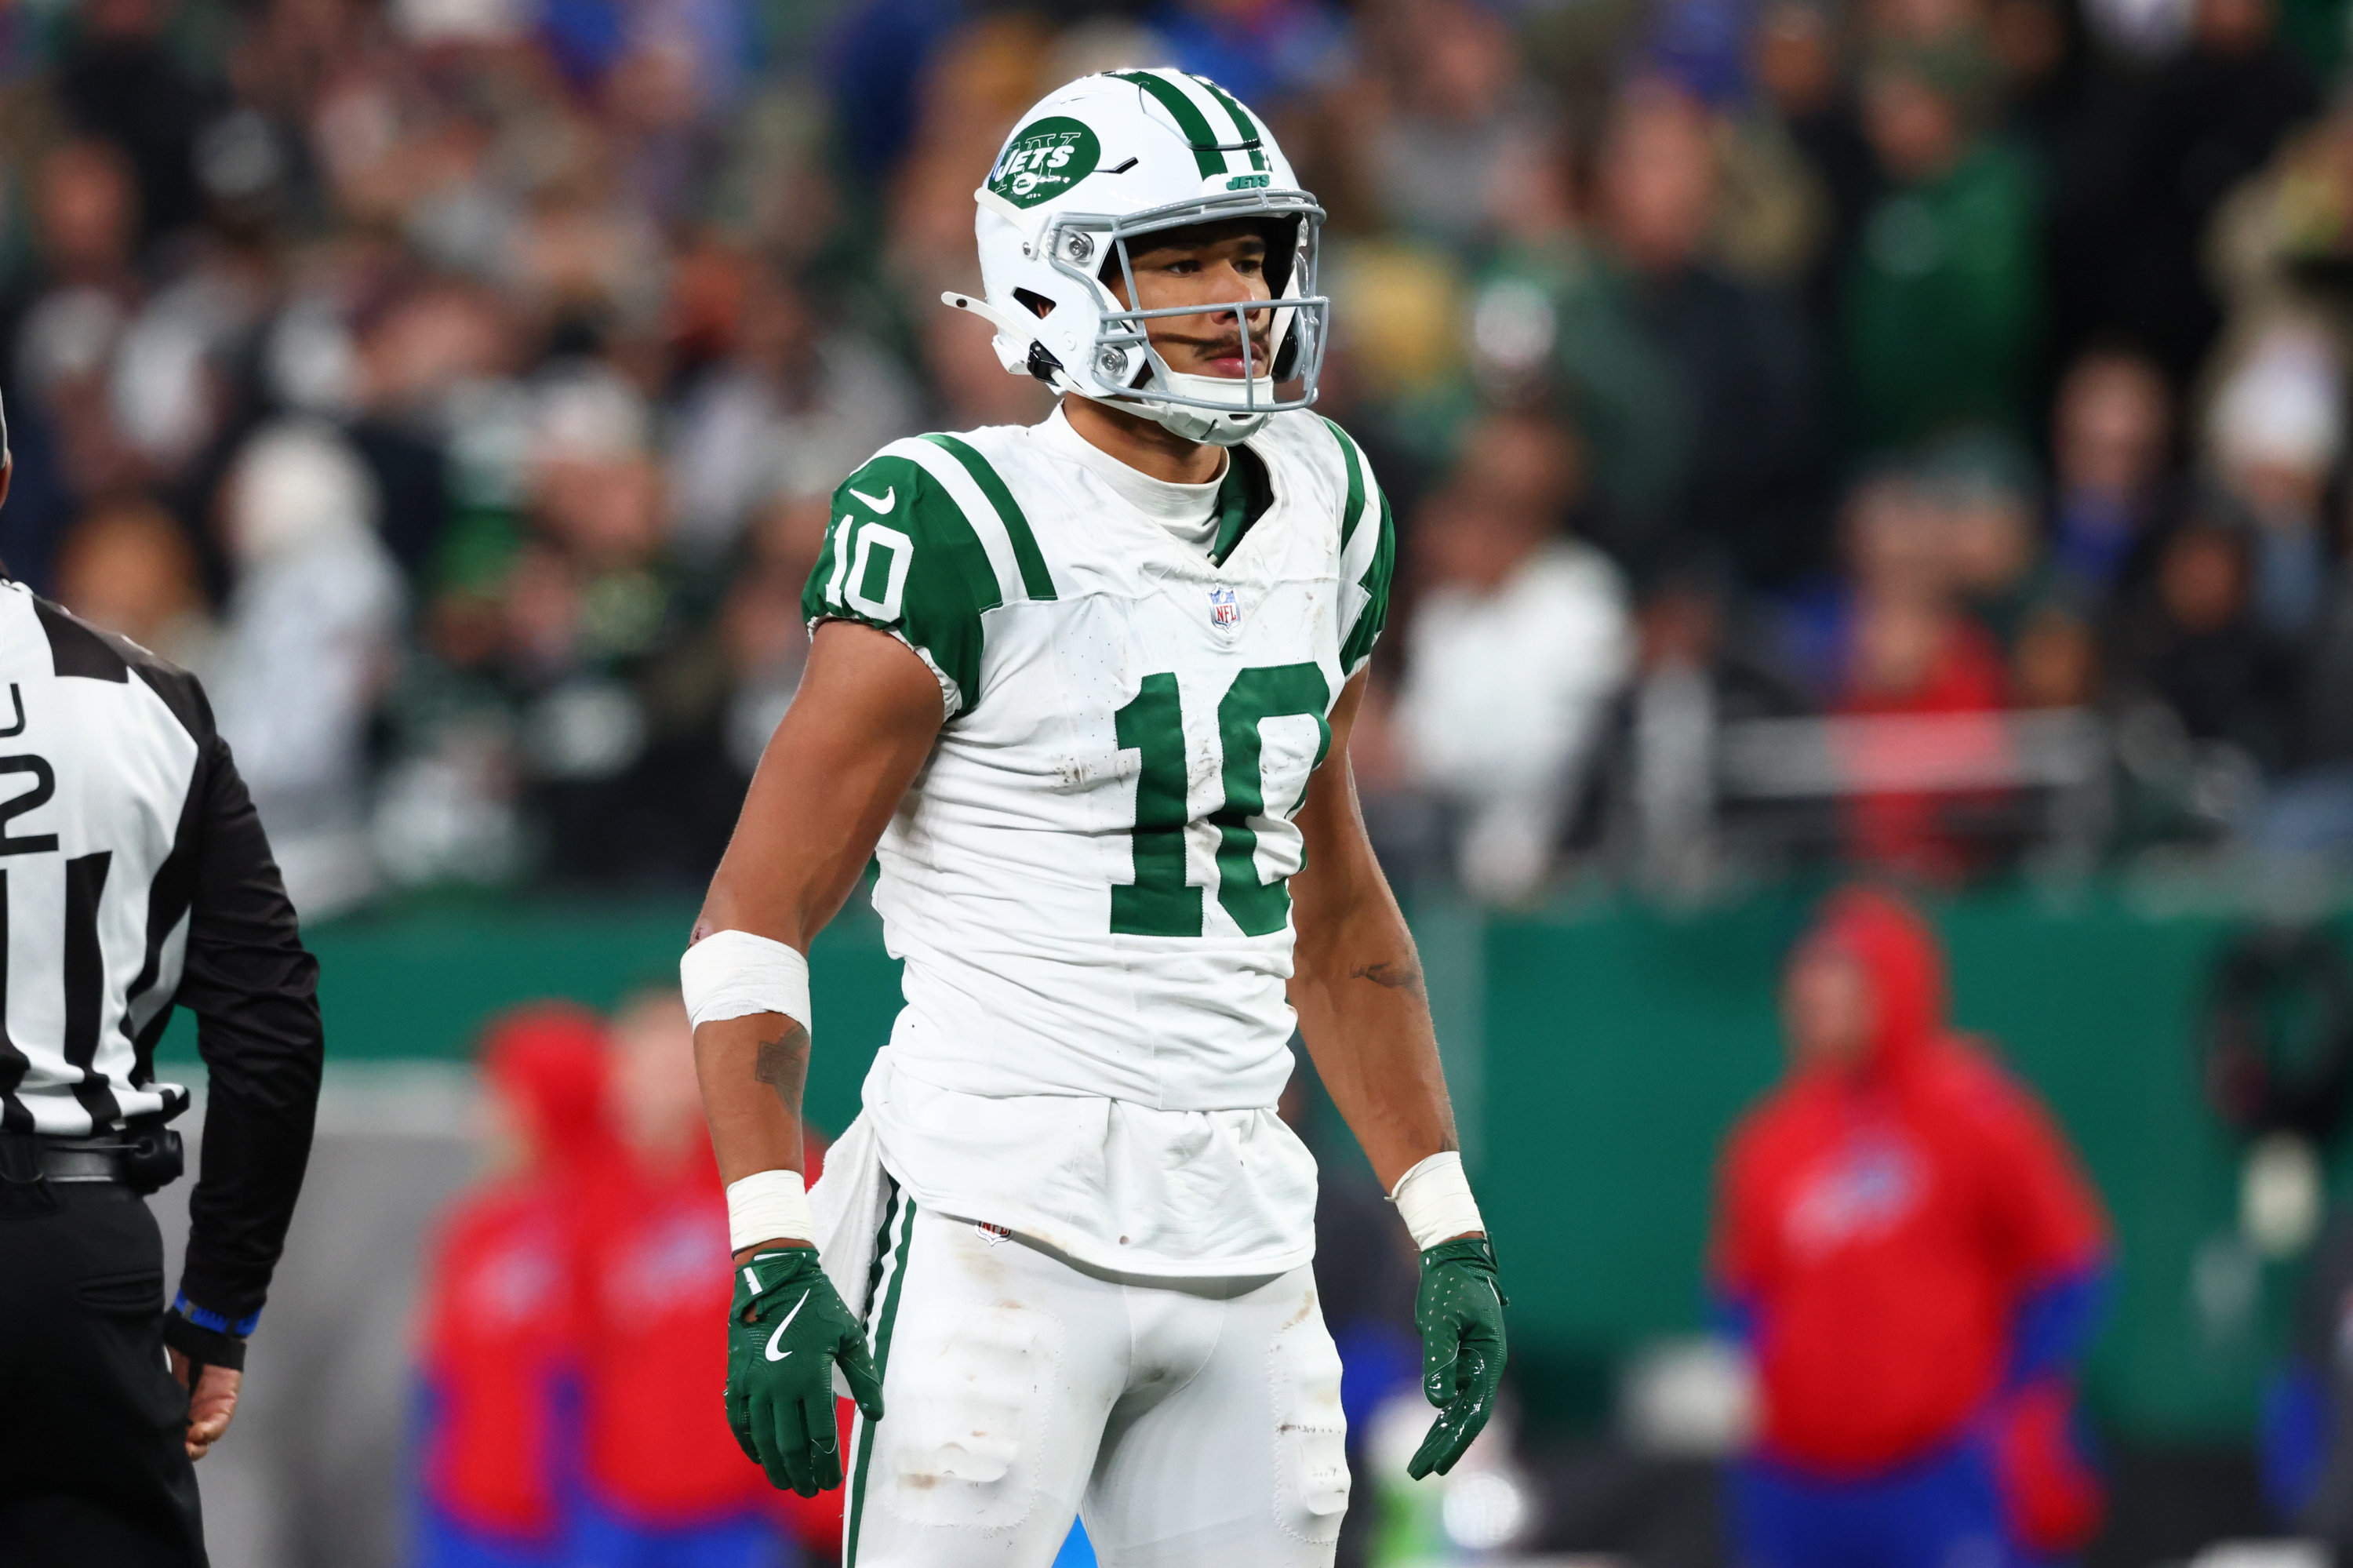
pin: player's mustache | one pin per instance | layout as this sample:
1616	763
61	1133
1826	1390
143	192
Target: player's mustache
1219	346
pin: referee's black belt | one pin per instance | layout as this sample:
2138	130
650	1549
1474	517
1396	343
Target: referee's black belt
141	1158
82	1159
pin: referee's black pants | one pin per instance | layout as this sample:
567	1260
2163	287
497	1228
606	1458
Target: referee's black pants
93	1468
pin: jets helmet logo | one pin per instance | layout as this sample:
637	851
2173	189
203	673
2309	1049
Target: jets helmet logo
1044	158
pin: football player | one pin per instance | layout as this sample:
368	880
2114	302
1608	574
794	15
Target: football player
1085	689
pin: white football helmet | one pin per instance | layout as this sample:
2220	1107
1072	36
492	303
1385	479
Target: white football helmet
1109	159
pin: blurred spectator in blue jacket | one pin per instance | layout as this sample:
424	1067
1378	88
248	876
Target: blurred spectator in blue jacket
2111	427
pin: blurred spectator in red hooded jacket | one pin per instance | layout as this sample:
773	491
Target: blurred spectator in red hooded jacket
1911	653
665	1485
1913	1259
501	1333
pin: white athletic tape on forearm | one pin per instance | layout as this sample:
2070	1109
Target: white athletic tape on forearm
734	974
1434	1201
768	1206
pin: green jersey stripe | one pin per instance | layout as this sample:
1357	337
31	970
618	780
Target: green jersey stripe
953	483
901	1214
1036	581
1251	134
1188	117
906	553
1358	647
1354	512
937	514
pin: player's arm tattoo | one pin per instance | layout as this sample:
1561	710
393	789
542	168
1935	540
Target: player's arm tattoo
782	1063
1394	976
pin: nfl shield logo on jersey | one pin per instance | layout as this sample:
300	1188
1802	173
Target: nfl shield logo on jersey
1223	611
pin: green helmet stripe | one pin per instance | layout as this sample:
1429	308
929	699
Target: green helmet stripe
1252	131
1187	116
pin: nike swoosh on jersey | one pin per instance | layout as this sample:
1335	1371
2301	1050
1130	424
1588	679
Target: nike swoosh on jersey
774	1354
890	499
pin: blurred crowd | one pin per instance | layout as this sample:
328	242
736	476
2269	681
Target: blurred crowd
457	385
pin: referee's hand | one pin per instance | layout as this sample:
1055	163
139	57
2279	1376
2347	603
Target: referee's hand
210	1403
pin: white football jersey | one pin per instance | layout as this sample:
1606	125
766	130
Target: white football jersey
1087	881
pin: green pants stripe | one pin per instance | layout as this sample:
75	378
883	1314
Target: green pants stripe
899	1217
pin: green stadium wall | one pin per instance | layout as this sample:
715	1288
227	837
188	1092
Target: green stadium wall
1598	1056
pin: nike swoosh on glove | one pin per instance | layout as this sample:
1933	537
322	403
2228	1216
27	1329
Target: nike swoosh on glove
785	1331
1460	1311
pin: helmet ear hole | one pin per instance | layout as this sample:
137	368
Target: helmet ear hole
1286	356
1036	303
1281	254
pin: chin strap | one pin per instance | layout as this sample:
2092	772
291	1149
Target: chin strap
1194	424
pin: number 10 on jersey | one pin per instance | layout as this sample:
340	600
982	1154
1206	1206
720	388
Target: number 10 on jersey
1160	903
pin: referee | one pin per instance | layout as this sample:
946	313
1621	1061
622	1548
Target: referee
134	876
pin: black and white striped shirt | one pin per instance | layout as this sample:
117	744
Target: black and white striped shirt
134	874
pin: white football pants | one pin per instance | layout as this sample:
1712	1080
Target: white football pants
1192	1423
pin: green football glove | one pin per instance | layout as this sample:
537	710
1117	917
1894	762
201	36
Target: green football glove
785	1332
1460	1311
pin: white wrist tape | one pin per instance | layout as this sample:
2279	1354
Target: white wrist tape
734	974
1434	1201
768	1206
